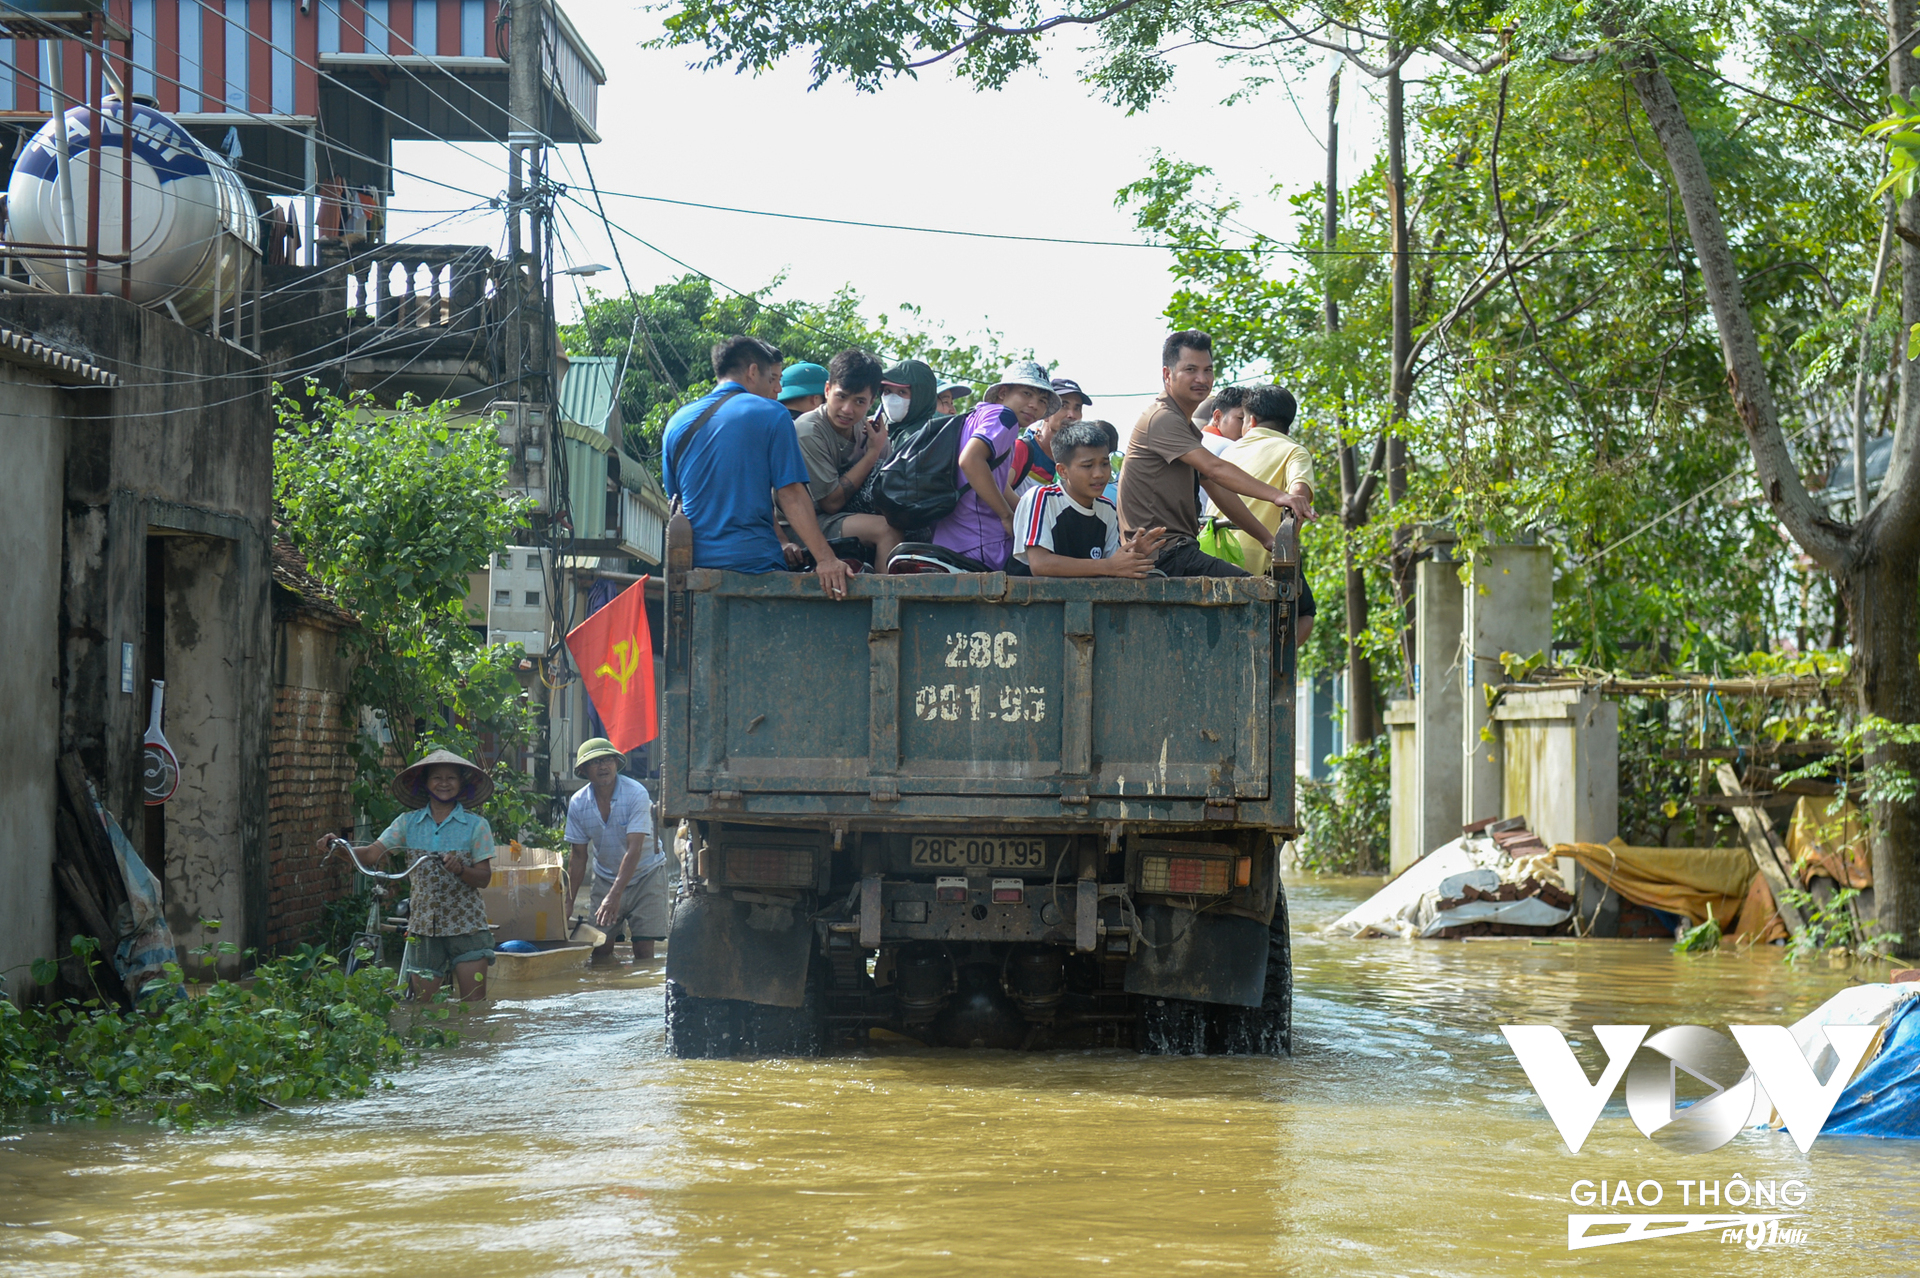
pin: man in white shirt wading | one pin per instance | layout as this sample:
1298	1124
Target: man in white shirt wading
614	815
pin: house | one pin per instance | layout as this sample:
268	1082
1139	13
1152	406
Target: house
140	507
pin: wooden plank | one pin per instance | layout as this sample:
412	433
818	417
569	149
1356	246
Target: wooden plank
85	905
1769	857
102	864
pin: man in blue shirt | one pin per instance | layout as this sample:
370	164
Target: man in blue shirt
729	472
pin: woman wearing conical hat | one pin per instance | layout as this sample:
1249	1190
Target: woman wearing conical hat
447	923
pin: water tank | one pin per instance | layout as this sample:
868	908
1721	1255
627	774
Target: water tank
194	225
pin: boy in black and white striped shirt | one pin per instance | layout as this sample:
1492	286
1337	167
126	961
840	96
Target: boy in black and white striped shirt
1068	528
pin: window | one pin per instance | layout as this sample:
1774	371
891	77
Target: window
330	25
473	28
533	563
533	599
238	44
426	28
503	599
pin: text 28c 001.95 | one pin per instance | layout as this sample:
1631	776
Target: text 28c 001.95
983	854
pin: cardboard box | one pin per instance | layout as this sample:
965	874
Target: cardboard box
524	898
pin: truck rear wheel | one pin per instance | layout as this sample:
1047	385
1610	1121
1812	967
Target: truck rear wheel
1171	1027
1266	1030
715	1028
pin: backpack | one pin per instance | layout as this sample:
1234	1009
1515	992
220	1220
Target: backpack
915	487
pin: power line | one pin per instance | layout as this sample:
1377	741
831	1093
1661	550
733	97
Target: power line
1273	247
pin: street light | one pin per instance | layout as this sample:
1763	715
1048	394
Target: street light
591	268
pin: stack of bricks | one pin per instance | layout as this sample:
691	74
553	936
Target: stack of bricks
309	790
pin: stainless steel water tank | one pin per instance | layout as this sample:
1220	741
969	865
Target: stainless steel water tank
195	229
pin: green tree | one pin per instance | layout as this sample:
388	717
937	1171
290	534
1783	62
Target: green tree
666	338
394	510
1744	119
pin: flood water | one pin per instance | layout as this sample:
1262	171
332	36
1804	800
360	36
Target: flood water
1401	1138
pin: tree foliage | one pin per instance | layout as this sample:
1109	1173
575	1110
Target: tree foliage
665	339
394	511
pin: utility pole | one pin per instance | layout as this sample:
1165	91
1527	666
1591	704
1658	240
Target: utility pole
524	140
1362	721
529	328
1402	375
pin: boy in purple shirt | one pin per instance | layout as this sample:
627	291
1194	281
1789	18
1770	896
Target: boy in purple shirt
981	523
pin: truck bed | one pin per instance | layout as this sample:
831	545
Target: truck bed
1035	702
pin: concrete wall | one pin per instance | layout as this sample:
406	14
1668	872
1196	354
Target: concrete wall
207	824
30	498
1439	604
1561	764
1508	608
1404	825
180	457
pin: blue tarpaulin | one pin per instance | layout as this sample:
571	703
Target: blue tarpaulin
1885	1099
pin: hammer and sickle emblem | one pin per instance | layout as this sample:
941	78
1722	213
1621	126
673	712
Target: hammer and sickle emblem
626	660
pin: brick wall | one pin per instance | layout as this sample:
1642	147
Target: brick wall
309	769
309	789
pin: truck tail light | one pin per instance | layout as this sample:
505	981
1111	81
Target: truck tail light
1184	875
1008	891
1243	872
770	867
950	890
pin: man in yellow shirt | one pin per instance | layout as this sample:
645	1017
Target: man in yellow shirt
1266	452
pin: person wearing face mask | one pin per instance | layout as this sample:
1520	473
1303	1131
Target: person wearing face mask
981	523
841	447
909	398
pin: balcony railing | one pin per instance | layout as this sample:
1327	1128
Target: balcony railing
427	286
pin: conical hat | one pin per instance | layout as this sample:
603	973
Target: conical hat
410	787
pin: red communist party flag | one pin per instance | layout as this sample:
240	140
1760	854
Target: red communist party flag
614	650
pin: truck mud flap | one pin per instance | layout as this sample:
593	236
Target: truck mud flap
1209	958
723	948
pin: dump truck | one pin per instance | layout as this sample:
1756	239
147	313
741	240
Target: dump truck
979	810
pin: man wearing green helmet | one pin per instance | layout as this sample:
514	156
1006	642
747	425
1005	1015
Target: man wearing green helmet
613	816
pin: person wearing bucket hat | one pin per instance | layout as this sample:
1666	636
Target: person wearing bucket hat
447	929
803	388
980	525
612	816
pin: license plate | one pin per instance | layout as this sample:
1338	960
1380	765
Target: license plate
984	854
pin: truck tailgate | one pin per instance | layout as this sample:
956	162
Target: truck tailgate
979	696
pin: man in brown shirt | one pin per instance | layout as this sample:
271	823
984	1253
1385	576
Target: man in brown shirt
1168	461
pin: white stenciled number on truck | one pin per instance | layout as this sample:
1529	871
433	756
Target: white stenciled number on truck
973	702
983	650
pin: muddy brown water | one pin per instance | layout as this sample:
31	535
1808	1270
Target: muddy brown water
1400	1139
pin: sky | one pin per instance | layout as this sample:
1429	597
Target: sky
1043	157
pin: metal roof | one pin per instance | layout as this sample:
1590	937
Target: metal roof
57	365
589	394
